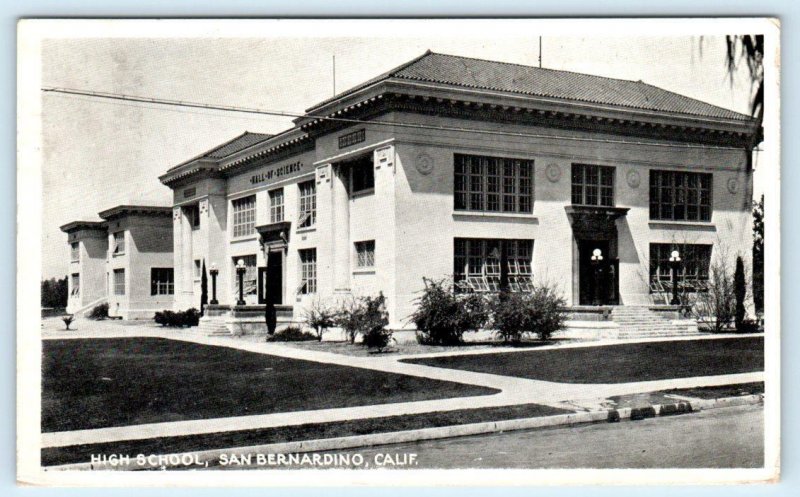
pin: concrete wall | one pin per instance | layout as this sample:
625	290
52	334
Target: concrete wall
91	267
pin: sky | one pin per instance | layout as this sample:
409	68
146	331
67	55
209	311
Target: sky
98	153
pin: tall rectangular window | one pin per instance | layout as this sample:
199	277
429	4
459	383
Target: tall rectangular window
193	215
119	243
493	184
694	267
76	285
308	271
198	269
592	185
244	216
119	282
365	254
75	251
477	264
680	196
308	204
162	281
362	175
276	206
250	279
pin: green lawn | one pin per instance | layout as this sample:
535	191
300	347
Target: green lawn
245	438
103	382
618	363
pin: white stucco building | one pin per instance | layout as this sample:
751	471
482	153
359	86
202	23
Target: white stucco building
456	167
125	260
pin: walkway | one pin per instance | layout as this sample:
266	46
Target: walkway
513	391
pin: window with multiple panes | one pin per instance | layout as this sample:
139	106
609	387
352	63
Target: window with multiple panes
244	216
75	251
362	175
680	196
276	206
695	261
365	254
493	184
592	185
308	204
477	264
162	281
250	279
193	215
119	243
76	285
119	282
308	271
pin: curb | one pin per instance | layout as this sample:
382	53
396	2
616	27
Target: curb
204	457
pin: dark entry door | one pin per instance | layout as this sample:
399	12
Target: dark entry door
597	282
270	279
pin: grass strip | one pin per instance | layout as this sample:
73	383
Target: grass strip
243	438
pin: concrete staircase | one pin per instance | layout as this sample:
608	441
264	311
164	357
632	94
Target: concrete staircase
213	327
644	322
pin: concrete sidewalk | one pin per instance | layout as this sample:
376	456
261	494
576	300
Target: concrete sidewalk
513	391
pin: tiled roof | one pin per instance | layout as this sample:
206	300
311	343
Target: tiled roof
528	80
230	147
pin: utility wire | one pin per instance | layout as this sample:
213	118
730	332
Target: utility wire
251	110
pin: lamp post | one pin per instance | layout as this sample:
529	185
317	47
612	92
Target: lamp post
674	263
214	272
240	270
597	258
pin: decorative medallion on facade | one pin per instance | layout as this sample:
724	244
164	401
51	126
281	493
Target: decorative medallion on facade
633	178
383	157
424	164
733	185
204	206
553	172
176	214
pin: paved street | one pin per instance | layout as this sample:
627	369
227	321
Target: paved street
718	438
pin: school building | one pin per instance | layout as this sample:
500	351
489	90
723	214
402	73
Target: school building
456	167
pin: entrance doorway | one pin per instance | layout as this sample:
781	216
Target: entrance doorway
597	282
270	279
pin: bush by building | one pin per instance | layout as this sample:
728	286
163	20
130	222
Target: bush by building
99	312
291	334
740	292
320	317
539	313
442	317
365	316
179	319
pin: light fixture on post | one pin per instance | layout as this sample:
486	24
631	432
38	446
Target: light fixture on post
214	272
674	264
240	270
596	260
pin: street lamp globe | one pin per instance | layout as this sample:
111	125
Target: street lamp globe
597	255
240	263
675	256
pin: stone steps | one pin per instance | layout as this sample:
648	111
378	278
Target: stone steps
642	322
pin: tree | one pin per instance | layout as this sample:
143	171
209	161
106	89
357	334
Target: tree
758	254
749	48
740	292
54	292
203	289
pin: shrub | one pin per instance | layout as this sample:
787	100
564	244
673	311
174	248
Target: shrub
539	312
68	319
189	317
716	308
320	317
740	292
366	316
99	312
291	334
442	317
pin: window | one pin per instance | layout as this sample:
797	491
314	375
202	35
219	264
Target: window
75	251
592	185
308	271
119	282
308	204
695	261
244	216
76	285
162	281
477	264
493	184
193	215
276	206
198	269
362	175
680	196
119	243
365	254
250	275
